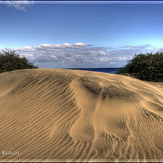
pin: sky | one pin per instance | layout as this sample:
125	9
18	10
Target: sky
81	34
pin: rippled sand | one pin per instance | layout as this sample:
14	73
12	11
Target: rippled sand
58	115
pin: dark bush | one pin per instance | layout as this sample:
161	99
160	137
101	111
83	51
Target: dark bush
10	61
148	67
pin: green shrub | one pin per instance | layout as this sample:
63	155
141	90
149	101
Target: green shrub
10	61
148	67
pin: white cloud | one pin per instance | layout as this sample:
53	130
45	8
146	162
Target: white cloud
103	59
66	44
60	46
26	48
80	55
80	44
19	5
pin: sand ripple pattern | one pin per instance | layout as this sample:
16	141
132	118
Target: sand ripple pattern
73	114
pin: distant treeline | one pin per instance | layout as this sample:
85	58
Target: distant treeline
10	61
148	67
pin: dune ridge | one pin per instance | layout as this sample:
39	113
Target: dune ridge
72	114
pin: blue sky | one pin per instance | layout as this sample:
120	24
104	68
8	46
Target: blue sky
81	34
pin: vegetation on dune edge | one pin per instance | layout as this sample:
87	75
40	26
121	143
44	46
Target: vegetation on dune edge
10	61
148	67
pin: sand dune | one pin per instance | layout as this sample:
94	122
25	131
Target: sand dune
77	115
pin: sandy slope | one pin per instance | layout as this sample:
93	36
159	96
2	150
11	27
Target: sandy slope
73	114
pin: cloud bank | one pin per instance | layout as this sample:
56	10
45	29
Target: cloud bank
81	55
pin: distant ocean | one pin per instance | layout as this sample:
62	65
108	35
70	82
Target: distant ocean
106	70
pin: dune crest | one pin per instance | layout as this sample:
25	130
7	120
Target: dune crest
73	114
